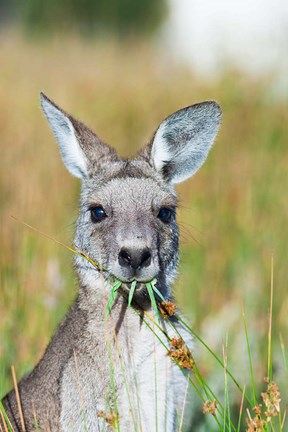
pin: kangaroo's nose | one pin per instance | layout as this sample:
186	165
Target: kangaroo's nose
134	258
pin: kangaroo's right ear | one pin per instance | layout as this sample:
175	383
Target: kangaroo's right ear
183	140
80	148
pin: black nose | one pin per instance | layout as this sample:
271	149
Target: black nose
134	258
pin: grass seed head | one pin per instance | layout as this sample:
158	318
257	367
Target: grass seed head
110	419
255	424
257	410
271	399
180	354
210	407
167	309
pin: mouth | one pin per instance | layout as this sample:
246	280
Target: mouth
138	293
139	288
129	282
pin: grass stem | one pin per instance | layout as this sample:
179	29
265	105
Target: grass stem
249	357
269	362
18	399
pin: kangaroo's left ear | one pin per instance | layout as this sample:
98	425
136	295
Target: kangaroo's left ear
183	140
81	149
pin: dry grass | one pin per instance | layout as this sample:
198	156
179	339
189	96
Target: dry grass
236	207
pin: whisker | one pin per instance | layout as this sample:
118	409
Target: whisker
186	234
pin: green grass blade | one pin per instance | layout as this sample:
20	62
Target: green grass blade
153	283
206	388
36	423
152	298
8	424
219	361
227	414
269	360
112	387
131	293
283	349
155	388
249	357
186	374
112	296
126	384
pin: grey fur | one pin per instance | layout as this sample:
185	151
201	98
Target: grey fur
71	384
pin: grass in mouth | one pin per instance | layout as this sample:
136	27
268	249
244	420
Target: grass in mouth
151	289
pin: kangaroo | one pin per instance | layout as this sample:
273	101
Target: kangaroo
102	372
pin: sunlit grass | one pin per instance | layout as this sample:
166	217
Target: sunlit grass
235	208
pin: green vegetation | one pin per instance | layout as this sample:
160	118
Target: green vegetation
118	17
232	215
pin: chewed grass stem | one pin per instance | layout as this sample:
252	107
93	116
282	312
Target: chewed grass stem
151	289
117	284
131	293
152	298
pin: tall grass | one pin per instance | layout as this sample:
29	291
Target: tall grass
263	413
232	215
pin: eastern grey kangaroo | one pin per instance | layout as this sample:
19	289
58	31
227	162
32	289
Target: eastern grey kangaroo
99	369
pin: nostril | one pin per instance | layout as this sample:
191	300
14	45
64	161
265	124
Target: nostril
145	258
124	258
134	258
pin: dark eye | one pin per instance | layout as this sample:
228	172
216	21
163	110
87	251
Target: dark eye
97	214
165	215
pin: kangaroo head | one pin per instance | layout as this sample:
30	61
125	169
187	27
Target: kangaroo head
127	219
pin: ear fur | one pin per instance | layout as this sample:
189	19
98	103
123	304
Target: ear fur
80	148
183	140
71	152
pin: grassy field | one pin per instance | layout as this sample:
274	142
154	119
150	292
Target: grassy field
233	214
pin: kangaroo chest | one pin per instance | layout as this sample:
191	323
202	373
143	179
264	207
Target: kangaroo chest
116	370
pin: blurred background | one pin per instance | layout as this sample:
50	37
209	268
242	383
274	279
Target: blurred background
121	66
